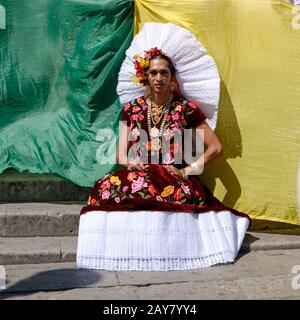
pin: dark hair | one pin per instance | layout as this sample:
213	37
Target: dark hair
171	65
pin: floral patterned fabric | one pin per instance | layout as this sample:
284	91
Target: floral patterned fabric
155	188
183	115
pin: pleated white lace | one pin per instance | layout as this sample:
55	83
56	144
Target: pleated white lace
156	240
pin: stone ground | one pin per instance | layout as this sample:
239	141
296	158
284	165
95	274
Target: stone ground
260	274
38	243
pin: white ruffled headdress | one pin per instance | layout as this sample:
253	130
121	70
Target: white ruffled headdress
196	71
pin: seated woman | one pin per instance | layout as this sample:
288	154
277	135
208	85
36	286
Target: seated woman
158	216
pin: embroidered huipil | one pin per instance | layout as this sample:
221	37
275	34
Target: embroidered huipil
155	188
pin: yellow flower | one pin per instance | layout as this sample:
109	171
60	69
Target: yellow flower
140	101
115	180
144	63
139	80
167	191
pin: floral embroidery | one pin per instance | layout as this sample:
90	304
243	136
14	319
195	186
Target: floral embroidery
115	180
105	194
134	117
136	109
138	184
144	107
185	188
177	194
178	108
167	191
140	100
176	120
132	175
152	190
105	185
176	116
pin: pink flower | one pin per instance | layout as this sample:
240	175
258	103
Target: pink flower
117	199
105	194
144	107
185	188
176	116
138	184
141	117
159	198
168	158
134	117
125	188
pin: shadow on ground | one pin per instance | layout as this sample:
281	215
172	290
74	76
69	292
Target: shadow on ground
246	246
266	226
52	280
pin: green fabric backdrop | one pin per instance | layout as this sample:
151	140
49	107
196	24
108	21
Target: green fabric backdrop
59	63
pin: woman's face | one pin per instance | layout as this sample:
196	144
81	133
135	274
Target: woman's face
159	76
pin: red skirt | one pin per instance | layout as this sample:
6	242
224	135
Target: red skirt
152	189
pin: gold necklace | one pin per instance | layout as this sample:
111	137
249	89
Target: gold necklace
157	114
155	118
154	132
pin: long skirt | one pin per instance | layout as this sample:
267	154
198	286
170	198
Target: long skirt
153	220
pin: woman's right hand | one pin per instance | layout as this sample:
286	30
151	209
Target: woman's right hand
136	165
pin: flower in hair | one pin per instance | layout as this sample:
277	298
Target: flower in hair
142	64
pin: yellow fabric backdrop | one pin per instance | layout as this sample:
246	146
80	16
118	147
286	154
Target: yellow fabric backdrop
257	52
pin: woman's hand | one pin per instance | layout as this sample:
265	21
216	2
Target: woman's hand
173	170
136	165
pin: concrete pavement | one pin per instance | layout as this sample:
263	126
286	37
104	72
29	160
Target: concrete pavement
262	274
38	248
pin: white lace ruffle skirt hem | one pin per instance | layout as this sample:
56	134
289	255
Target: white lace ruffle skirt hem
156	240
